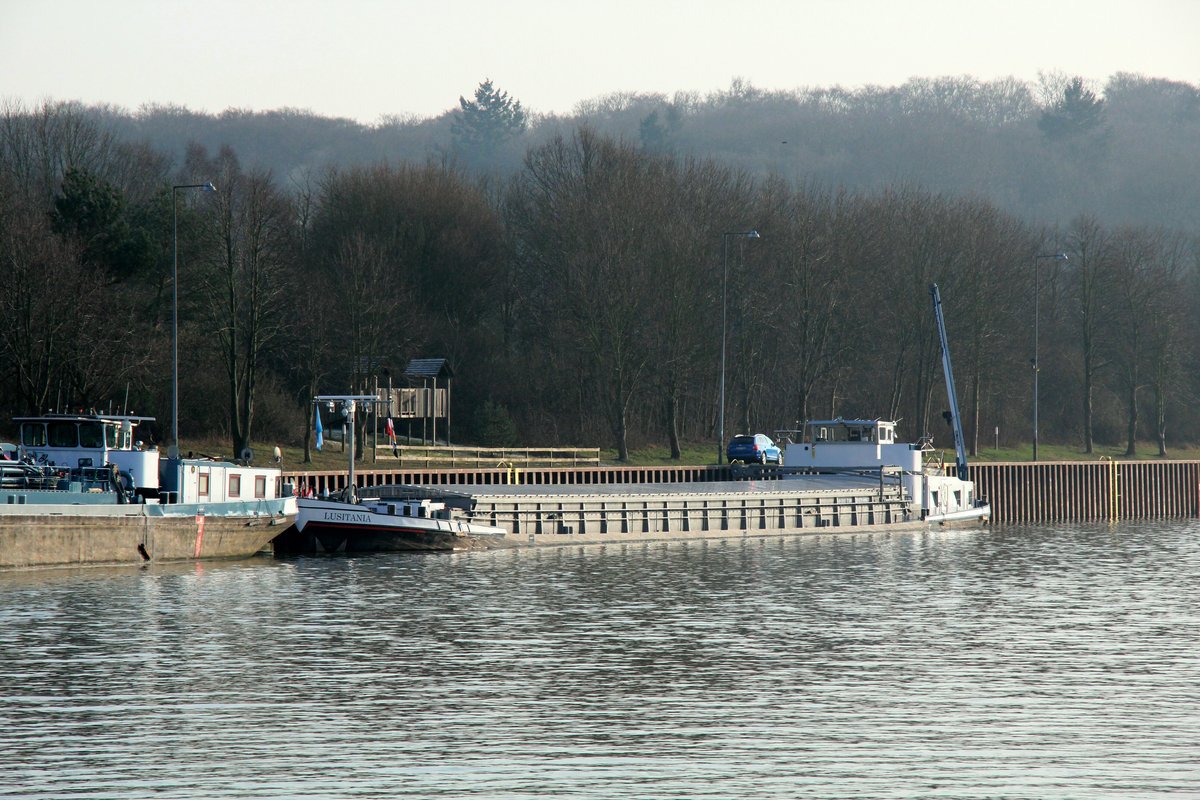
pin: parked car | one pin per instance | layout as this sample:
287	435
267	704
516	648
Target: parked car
754	449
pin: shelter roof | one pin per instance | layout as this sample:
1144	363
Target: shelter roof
428	368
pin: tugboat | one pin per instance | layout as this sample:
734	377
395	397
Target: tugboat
81	489
349	523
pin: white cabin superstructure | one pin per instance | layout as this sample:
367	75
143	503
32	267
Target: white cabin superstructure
89	440
867	445
96	443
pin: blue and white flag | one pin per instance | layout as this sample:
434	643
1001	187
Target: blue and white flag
320	430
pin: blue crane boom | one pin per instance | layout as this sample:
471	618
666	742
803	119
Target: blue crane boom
960	448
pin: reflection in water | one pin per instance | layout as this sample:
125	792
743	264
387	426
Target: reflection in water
1013	662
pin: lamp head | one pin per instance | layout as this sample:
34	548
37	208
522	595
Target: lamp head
208	187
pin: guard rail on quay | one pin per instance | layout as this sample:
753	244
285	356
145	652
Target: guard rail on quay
1045	491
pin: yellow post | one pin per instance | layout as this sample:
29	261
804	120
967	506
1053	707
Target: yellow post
1116	492
1113	491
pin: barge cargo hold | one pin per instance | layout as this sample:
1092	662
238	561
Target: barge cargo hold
590	514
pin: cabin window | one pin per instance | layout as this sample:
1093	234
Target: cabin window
33	434
63	434
112	437
235	486
91	435
203	484
260	485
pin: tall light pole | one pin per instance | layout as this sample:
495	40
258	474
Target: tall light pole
1037	294
173	450
724	294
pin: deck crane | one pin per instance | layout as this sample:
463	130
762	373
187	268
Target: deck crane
960	448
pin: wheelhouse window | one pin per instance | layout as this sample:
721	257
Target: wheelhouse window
203	481
91	434
260	486
33	434
63	434
235	486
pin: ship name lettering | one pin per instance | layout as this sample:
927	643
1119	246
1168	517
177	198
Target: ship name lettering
346	516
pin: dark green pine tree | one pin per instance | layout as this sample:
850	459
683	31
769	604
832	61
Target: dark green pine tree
1079	112
486	122
94	213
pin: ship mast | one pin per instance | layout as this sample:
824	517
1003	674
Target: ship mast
348	403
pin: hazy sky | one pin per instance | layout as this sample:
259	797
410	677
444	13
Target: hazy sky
367	58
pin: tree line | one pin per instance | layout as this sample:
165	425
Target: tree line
1124	150
582	297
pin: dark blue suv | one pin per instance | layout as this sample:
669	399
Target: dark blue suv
754	449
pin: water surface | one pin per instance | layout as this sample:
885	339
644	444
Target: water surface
1012	662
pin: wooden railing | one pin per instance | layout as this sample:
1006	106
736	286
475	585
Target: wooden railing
407	456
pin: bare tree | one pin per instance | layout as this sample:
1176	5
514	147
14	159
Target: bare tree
810	282
586	211
1090	260
1139	293
1164	327
244	283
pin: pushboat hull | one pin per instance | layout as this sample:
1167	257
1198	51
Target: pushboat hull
324	526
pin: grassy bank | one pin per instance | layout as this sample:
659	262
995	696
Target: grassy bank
334	458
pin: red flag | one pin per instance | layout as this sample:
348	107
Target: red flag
389	430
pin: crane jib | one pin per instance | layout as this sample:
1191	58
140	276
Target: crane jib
960	448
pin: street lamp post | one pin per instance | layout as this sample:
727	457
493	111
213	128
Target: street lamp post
173	450
1036	313
724	293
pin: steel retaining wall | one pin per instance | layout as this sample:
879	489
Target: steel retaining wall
1072	491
